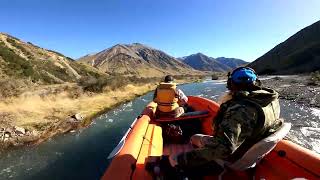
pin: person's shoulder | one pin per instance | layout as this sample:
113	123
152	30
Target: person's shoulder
241	105
239	113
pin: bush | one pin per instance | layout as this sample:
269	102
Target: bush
214	77
11	87
16	66
89	83
18	46
84	70
92	84
314	78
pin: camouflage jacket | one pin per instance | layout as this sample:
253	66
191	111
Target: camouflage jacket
241	122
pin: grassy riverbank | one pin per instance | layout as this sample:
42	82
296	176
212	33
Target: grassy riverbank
42	112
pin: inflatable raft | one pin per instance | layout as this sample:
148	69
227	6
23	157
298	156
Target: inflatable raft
144	140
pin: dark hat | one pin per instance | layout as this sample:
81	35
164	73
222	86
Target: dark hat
168	78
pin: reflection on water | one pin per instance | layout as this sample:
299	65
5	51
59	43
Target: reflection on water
83	155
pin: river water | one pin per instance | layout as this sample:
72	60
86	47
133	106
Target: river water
83	154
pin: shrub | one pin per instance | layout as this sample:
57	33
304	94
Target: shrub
18	46
314	78
84	70
88	83
214	76
92	84
16	65
11	87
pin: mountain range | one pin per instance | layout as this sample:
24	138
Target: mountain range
202	62
136	59
24	60
300	53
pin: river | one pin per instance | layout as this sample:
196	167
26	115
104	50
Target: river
83	154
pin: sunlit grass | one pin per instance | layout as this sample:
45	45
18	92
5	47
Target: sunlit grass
35	110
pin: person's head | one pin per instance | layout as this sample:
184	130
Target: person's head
243	78
168	79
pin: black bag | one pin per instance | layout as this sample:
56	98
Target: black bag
172	134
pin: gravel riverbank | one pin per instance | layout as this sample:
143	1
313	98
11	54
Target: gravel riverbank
297	88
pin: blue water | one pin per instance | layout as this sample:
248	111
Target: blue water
83	154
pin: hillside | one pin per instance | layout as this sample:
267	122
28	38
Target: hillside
25	61
202	62
138	60
231	62
298	54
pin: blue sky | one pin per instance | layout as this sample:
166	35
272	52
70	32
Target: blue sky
229	28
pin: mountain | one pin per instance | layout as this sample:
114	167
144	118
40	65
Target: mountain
202	62
136	59
231	62
300	53
27	61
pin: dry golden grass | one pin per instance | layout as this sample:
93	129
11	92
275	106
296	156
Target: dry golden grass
97	103
47	108
35	111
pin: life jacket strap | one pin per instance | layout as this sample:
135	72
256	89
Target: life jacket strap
165	104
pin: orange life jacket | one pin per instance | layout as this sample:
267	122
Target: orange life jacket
166	97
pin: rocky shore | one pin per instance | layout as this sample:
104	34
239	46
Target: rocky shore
17	135
14	136
297	88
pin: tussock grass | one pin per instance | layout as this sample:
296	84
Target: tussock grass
100	84
12	87
42	106
35	111
47	109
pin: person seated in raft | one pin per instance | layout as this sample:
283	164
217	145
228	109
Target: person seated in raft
250	114
169	98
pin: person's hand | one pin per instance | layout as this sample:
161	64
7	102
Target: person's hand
173	160
196	140
200	140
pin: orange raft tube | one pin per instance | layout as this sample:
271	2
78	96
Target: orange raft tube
286	161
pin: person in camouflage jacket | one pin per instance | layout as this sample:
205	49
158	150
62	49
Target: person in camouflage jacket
249	114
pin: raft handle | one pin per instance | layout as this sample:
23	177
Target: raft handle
282	153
